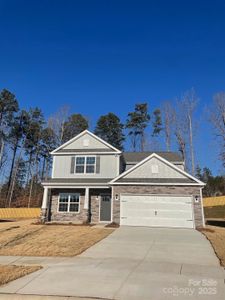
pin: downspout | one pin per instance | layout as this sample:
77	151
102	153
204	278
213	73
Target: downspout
89	208
203	216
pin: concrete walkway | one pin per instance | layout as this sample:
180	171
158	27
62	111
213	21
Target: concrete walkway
132	263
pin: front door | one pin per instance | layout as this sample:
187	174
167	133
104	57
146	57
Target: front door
105	208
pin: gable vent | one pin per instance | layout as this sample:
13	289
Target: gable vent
86	142
155	169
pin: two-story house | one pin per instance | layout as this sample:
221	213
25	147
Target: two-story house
94	182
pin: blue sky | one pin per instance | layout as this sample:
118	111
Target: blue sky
101	56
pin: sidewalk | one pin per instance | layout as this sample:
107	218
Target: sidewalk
32	260
35	297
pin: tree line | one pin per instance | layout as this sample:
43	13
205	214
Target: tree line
27	138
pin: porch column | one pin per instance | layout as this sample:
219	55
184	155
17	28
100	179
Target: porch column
86	199
44	206
45	198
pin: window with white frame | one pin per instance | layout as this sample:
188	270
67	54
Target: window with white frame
69	202
85	164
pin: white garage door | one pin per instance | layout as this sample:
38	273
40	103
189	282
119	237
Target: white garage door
161	211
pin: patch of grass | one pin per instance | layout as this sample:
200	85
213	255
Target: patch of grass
26	239
216	235
11	272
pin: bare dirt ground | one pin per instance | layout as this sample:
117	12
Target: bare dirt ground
23	238
9	273
216	236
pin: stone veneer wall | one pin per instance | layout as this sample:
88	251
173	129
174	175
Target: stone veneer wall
95	209
160	190
82	216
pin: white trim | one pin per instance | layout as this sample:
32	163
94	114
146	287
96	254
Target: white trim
118	163
100	201
150	183
203	215
86	198
83	153
108	184
68	211
160	195
163	160
193	211
85	165
44	204
81	134
53	166
72	186
111	207
163	195
136	162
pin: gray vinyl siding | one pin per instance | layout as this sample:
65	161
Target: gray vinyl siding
93	143
108	167
130	165
144	171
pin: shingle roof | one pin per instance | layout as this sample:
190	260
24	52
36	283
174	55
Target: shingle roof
80	181
134	157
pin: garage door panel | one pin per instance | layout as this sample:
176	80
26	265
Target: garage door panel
170	214
155	205
146	210
158	222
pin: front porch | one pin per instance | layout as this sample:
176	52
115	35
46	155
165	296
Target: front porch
79	205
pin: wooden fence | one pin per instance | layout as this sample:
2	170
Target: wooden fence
19	213
214	201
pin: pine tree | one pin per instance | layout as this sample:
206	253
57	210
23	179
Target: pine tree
48	144
110	129
8	107
136	124
76	124
157	123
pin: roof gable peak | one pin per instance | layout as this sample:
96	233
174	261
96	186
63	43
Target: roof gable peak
79	136
155	155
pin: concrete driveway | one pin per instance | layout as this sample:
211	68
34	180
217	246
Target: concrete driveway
133	263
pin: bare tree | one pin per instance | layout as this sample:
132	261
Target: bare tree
14	175
180	130
189	102
57	123
168	122
217	118
3	156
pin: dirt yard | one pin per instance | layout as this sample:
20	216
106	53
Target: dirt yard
26	239
9	273
216	235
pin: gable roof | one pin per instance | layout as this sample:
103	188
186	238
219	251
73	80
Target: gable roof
191	179
135	157
61	150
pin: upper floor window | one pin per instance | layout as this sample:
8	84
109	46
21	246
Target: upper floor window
85	164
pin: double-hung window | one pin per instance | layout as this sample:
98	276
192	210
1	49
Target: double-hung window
85	164
69	202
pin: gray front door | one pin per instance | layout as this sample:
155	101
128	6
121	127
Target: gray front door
105	208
